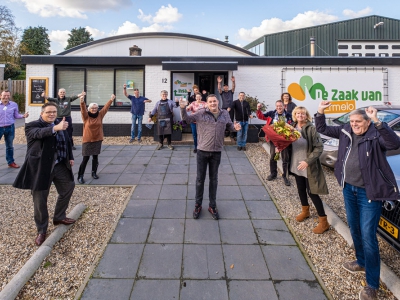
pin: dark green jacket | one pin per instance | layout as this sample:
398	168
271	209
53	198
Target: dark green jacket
63	105
315	174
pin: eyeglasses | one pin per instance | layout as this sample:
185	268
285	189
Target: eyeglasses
50	112
93	108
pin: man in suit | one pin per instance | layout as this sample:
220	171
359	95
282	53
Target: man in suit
48	159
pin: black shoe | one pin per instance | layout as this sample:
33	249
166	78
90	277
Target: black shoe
214	213
80	179
94	175
195	151
244	148
271	177
287	182
73	148
197	211
239	148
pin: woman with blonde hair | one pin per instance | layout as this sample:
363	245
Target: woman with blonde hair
307	169
93	135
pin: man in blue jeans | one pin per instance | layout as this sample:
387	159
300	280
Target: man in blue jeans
137	111
365	175
8	114
211	123
241	109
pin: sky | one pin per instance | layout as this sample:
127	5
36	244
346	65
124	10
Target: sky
241	21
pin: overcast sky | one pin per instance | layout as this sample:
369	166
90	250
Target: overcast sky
242	21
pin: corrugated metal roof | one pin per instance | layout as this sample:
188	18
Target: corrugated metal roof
296	42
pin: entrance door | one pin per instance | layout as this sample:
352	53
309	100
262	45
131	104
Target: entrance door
206	83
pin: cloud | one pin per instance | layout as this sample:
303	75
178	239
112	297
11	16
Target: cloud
356	14
306	19
96	33
71	8
59	40
129	27
165	14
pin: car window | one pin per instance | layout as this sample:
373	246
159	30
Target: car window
396	127
384	116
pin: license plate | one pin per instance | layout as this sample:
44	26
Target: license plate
388	227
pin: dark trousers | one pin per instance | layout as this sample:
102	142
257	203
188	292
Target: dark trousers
303	188
70	129
273	164
162	137
212	160
232	116
64	183
95	164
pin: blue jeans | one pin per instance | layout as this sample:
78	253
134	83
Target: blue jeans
139	118
194	133
363	218
9	134
212	160
242	134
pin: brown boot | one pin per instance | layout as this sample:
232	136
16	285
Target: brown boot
322	226
305	213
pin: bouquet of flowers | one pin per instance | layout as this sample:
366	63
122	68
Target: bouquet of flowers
280	134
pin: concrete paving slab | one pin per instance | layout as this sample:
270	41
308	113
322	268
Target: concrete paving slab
243	170
143	192
245	262
113	169
229	193
288	290
170	209
232	210
161	261
248	180
121	160
274	237
178	169
134	169
176	179
203	262
140	209
278	225
153	169
105	289
202	231
204	290
159	161
105	179
167	231
151	179
174	192
179	160
131	231
263	210
226	179
119	261
243	290
287	263
128	179
155	289
254	193
237	232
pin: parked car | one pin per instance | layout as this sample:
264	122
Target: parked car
389	223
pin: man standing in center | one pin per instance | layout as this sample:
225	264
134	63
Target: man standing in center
211	123
241	108
227	98
274	115
137	111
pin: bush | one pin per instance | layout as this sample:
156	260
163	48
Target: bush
253	101
20	100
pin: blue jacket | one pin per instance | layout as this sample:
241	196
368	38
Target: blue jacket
379	180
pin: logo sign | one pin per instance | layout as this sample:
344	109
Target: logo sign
182	82
346	89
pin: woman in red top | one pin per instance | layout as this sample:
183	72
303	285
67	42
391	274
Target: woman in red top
194	107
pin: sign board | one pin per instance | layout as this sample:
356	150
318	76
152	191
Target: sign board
181	82
37	86
346	88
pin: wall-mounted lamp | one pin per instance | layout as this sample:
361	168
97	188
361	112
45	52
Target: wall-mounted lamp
378	24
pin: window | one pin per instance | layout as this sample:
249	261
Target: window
396	47
383	47
133	79
72	81
383	54
355	46
100	86
395	54
343	54
369	46
356	54
369	54
343	47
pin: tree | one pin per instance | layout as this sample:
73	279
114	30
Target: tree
35	41
78	36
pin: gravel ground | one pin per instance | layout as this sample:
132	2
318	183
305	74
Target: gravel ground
329	250
64	269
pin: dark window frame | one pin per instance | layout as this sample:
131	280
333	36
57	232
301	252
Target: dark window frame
356	47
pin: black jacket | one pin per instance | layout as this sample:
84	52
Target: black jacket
40	156
242	110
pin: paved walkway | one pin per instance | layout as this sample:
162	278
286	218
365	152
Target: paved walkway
158	251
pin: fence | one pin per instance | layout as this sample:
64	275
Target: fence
17	86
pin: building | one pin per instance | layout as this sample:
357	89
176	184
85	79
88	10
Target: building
174	62
366	36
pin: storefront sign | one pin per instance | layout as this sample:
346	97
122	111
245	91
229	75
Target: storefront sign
182	82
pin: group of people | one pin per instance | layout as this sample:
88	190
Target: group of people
362	169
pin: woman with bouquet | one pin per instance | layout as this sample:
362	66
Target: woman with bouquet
306	168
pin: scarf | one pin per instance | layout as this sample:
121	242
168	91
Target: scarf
61	142
95	115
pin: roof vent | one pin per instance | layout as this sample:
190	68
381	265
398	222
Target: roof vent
135	51
226	39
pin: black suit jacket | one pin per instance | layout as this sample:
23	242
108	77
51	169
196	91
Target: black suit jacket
40	157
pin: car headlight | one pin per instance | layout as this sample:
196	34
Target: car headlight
332	142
